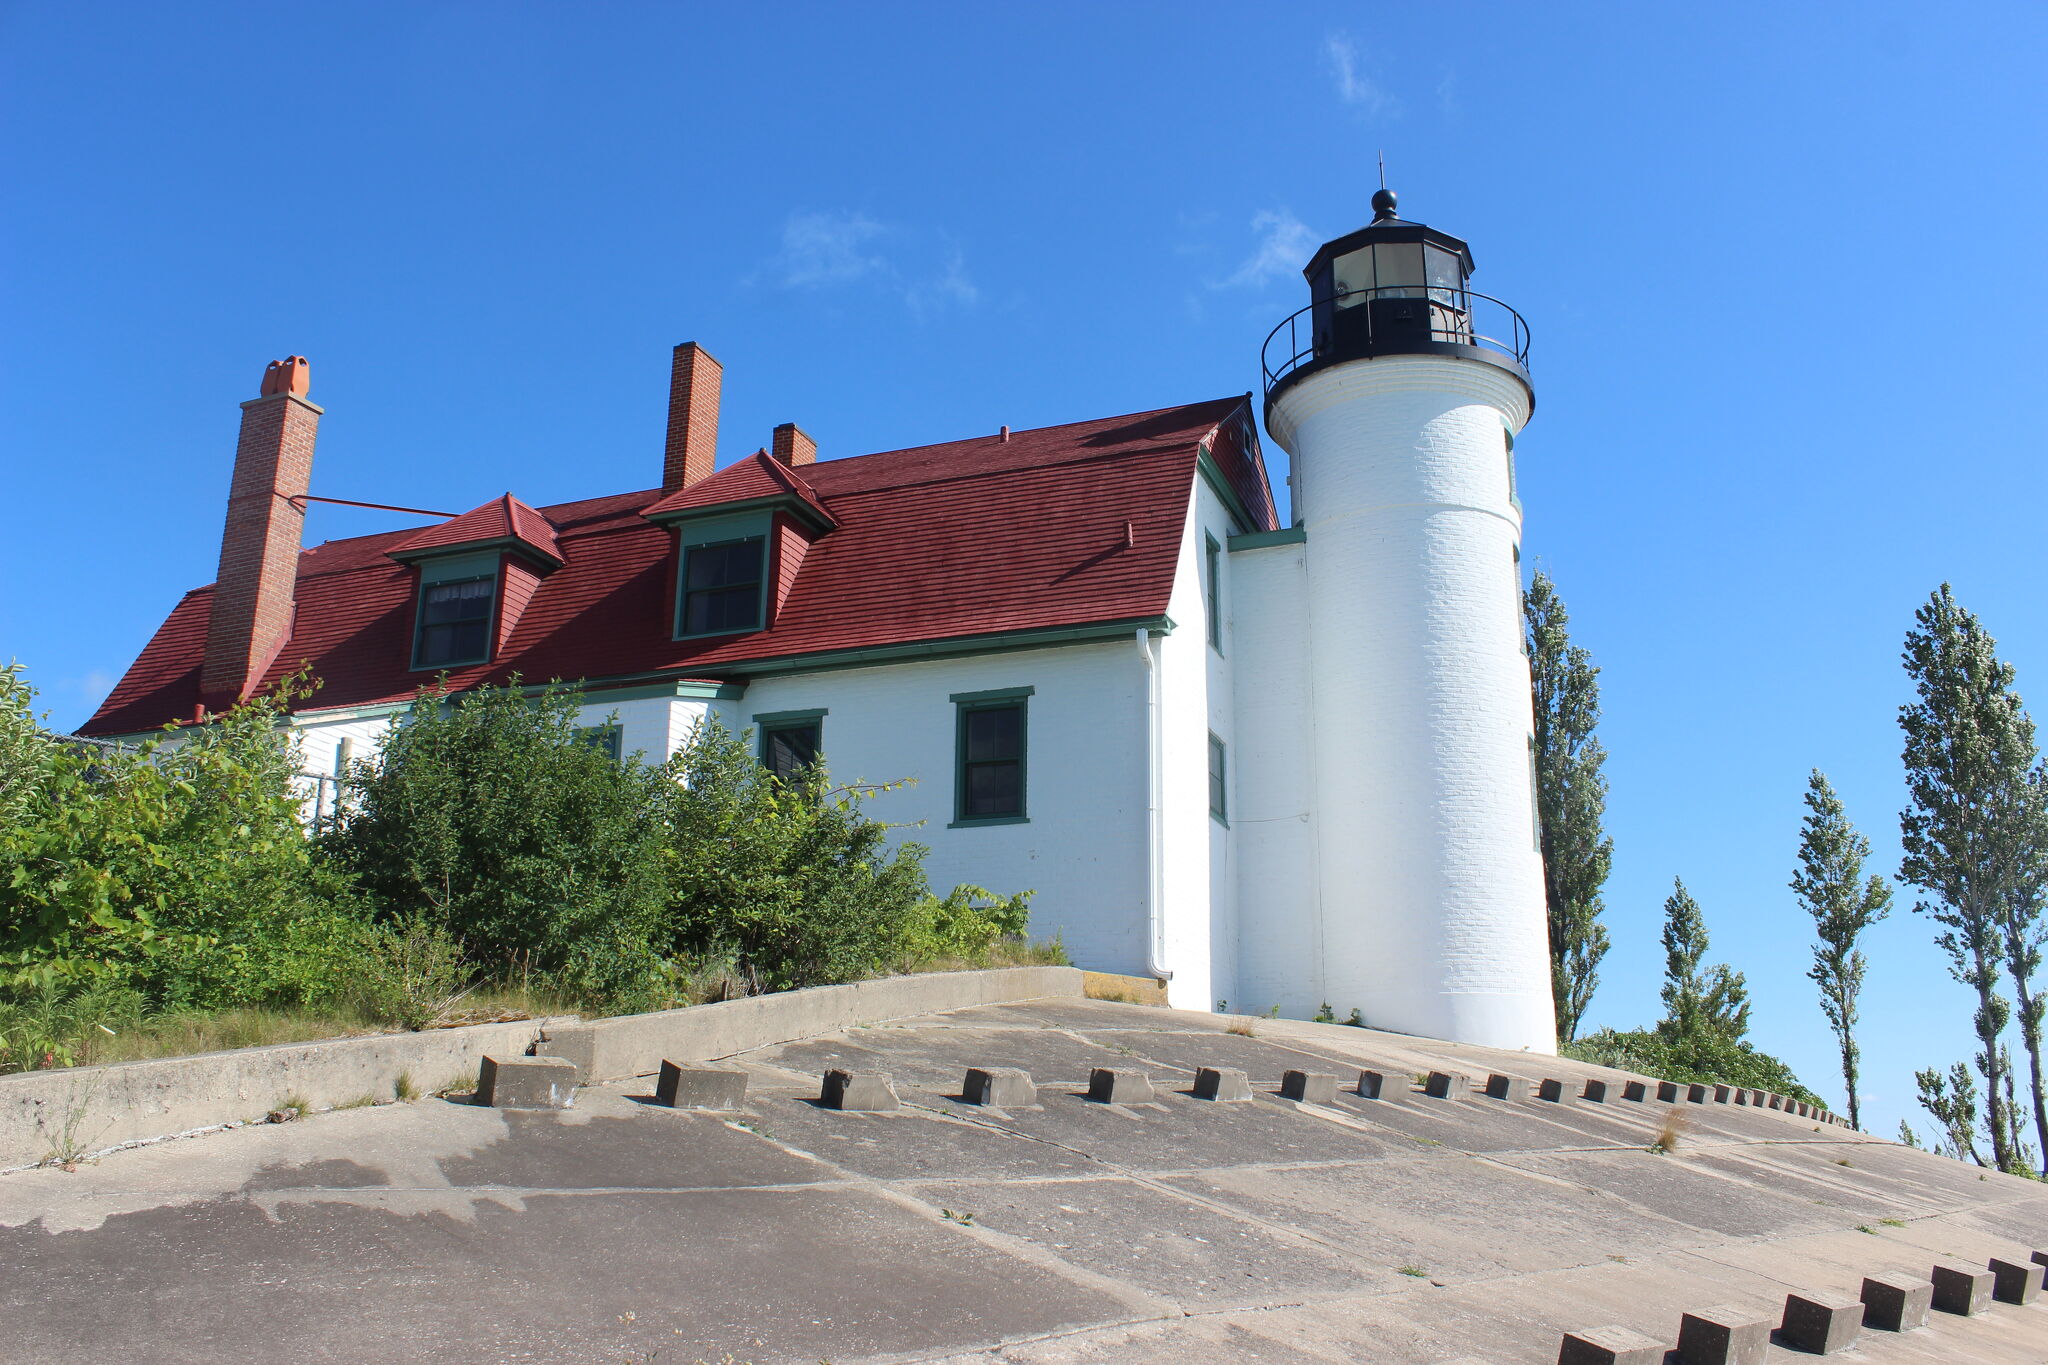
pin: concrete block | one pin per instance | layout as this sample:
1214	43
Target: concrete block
1893	1303
1963	1292
2039	1258
1723	1094
571	1042
1005	1087
1372	1085
1109	1086
858	1092
1310	1087
526	1083
1594	1092
1635	1090
1500	1086
1554	1090
2015	1281
700	1087
1221	1083
1670	1091
1822	1326
1756	1099
1722	1335
1610	1346
1447	1085
1696	1094
1742	1096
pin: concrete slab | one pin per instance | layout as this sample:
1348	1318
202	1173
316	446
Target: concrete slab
1821	1325
1309	1087
1723	1335
1222	1083
1895	1303
701	1087
1401	1230
526	1083
1004	1087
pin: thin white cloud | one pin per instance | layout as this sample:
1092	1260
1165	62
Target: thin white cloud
1354	86
1284	246
950	286
828	250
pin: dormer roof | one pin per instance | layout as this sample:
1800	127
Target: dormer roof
758	481
502	523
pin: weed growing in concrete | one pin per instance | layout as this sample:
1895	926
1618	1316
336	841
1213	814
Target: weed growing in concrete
1669	1132
1326	1015
965	1220
1242	1028
404	1088
292	1107
1356	1020
1893	1222
359	1102
761	1130
1415	1271
68	1143
1842	1161
1865	1227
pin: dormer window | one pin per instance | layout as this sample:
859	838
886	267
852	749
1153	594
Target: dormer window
455	622
722	585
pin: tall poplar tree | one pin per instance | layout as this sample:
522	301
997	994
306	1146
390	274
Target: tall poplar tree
1571	801
1831	886
1973	836
1700	1002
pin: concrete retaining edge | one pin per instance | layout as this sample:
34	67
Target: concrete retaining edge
83	1110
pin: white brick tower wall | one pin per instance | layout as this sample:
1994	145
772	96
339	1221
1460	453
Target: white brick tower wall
1431	885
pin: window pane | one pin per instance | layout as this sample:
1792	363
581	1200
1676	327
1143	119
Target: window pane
1398	264
722	587
1218	793
790	748
1354	276
455	622
993	732
994	789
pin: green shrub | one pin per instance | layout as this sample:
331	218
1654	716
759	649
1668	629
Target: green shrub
965	924
789	880
1708	1058
491	816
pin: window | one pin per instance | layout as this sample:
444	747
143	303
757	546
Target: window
790	741
1212	598
1219	794
990	744
455	622
721	587
1535	799
603	738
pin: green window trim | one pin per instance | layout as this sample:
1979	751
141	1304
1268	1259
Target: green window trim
724	533
973	726
787	741
420	625
1219	781
1212	589
789	717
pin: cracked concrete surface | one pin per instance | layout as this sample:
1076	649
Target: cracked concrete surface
1401	1230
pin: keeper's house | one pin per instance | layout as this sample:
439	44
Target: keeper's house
1270	765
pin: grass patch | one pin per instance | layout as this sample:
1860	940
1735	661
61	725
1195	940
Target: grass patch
1893	1222
1669	1132
403	1088
1242	1028
1415	1272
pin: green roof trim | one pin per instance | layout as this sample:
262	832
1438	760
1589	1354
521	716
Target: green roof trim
999	643
779	502
1259	540
1212	474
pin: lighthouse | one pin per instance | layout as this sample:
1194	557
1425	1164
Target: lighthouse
1398	393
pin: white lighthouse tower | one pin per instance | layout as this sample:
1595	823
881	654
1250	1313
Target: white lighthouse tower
1398	392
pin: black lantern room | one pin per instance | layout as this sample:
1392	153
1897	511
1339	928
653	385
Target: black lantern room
1393	288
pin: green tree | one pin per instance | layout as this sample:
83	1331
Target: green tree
1952	1100
1708	1058
1831	886
1571	801
493	816
1973	836
1699	1001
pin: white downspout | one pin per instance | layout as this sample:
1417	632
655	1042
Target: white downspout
1155	863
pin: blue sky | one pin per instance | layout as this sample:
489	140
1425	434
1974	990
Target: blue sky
1781	263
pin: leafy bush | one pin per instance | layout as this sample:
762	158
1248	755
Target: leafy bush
789	880
965	925
1706	1057
176	868
492	817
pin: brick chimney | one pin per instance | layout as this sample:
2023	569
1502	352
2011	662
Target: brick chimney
793	447
259	549
693	386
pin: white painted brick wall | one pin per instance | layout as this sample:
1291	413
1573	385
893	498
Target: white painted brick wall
1431	888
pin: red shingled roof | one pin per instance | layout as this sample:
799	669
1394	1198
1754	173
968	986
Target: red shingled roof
499	521
967	538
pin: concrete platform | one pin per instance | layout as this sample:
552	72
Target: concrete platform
1402	1229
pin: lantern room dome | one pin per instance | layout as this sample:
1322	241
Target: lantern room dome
1393	287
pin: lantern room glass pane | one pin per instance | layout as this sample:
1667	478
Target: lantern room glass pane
1354	278
1398	267
1446	271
